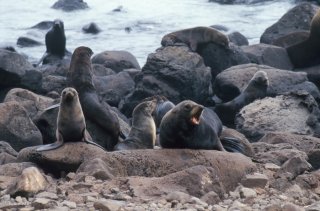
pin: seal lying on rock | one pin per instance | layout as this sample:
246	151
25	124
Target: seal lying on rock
143	131
193	37
307	53
71	125
80	76
190	125
256	89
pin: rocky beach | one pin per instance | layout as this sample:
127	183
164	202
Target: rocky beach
265	92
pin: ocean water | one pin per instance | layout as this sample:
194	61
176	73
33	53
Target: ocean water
149	20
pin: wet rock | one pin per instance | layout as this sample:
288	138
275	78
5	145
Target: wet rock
116	60
5	147
29	183
296	19
16	71
108	205
96	168
31	102
70	5
14	169
66	158
270	55
6	158
255	180
295	166
174	72
27	42
91	28
293	113
113	88
43	25
16	127
231	82
219	58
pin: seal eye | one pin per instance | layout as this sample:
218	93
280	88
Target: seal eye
187	107
64	93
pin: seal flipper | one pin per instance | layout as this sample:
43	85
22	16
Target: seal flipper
42	58
232	145
54	145
88	139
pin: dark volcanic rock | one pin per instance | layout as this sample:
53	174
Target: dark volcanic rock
16	127
295	113
219	58
116	60
270	55
229	83
70	5
238	1
44	25
16	71
238	39
27	42
174	72
295	20
91	28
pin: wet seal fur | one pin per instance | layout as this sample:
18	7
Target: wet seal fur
196	36
143	131
55	41
71	125
307	53
80	76
256	89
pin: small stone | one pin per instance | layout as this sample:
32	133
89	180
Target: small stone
114	190
69	204
90	198
89	179
195	200
291	207
108	205
18	199
238	206
71	176
255	180
27	209
211	198
47	195
272	166
122	197
179	196
42	203
247	192
313	207
58	209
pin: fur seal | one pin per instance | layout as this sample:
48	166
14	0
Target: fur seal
55	40
193	37
71	125
256	89
307	52
80	77
143	131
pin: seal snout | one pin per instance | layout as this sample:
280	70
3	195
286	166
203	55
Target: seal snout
196	114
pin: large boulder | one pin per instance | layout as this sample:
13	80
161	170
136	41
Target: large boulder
116	60
43	25
27	42
232	81
295	20
70	5
174	72
16	71
113	88
91	28
6	148
16	126
295	113
219	58
270	55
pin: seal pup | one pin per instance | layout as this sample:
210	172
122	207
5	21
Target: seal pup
307	52
71	125
142	134
55	40
256	89
196	36
80	76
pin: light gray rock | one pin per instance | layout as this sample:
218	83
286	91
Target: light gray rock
108	205
255	180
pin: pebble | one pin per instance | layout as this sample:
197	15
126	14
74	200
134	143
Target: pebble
69	204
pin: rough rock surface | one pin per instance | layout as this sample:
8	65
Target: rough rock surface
16	127
294	113
174	72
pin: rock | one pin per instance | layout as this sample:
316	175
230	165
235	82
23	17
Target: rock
27	42
296	19
53	83
295	166
70	5
69	204
247	192
291	39
313	207
314	158
291	207
14	169
43	25
66	158
5	147
237	1
43	203
211	198
307	181
29	183
178	196
100	70
31	102
238	39
312	73
231	82
116	60
91	28
16	71
255	180
236	205
7	158
108	205
293	113
96	168
17	128
113	88
270	55
219	58
174	72
272	166
228	132
47	195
